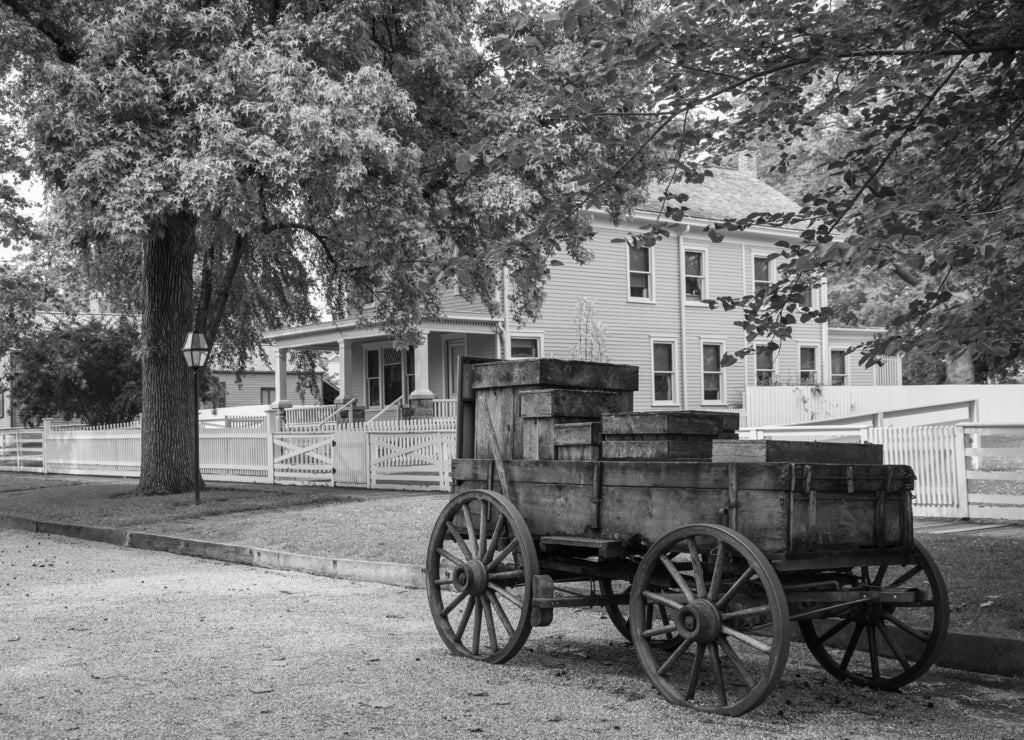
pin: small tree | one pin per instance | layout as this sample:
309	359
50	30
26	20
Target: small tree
591	337
86	371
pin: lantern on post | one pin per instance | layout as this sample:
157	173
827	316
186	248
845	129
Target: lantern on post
196	351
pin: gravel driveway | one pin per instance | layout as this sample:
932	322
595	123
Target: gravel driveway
97	641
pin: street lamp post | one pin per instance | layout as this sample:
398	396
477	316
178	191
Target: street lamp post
196	351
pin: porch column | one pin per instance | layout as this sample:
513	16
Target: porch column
280	361
422	399
342	363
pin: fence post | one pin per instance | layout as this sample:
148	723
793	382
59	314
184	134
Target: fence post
963	509
271	426
47	430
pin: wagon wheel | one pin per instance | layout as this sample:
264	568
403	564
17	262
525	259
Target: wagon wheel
728	609
881	645
656	615
480	567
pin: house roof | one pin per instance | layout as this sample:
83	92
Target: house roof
726	194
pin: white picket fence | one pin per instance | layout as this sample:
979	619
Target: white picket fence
413	454
971	471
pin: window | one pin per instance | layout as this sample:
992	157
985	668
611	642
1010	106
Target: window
711	358
640	273
762	273
808	365
390	374
663	365
525	347
267	396
693	275
764	365
838	367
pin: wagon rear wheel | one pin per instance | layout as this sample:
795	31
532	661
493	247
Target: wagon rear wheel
480	567
889	641
727	611
656	615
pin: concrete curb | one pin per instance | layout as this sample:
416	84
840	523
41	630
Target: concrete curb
392	574
966	652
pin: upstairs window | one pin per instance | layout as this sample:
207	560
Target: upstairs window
808	365
764	364
838	367
762	273
640	275
711	360
693	275
663	365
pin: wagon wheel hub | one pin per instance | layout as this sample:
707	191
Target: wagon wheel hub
699	621
470	578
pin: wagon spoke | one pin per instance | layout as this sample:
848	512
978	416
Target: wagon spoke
740	666
835	630
698	568
734	589
467	515
658	631
678	578
454	603
483	545
502	554
716	666
851	646
502	617
676	655
880	575
906	576
491	632
499	525
463	622
457	537
443	581
716	576
508	574
509	596
873	651
909	629
691	682
657	598
747	639
751	612
894	647
448	556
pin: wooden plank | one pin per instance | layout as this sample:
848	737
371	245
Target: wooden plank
775	450
571	402
674	448
665	422
581	433
550	372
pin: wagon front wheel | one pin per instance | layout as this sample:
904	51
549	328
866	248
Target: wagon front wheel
727	611
480	567
891	630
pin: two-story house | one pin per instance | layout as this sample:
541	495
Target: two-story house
645	308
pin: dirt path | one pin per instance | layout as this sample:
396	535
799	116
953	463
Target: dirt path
103	642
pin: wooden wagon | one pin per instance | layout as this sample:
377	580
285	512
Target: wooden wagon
702	548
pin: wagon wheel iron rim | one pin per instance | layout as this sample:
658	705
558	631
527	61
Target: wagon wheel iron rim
480	567
728	613
884	646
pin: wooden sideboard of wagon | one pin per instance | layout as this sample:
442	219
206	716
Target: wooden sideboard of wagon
701	547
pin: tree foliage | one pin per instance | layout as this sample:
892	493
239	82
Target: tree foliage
87	371
917	101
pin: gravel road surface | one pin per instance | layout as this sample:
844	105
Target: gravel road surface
101	642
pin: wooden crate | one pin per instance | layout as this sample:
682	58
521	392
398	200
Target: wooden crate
541	411
498	387
664	435
800	516
581	441
777	450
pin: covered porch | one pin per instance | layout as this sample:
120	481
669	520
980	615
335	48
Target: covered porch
378	378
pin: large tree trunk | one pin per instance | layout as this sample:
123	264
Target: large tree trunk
168	427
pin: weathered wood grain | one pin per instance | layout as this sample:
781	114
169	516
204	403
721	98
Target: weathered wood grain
572	402
669	422
552	373
777	450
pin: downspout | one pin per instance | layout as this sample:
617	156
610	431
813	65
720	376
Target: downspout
506	319
682	316
826	349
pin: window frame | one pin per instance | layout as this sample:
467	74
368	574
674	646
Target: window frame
773	274
721	344
672	373
843	357
270	393
761	350
705	290
630	298
538	340
407	372
815	378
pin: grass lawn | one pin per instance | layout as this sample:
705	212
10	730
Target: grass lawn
986	591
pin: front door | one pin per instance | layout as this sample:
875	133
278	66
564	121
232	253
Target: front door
454	349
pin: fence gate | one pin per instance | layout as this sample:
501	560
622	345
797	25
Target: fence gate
351	458
411	460
937	456
304	457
